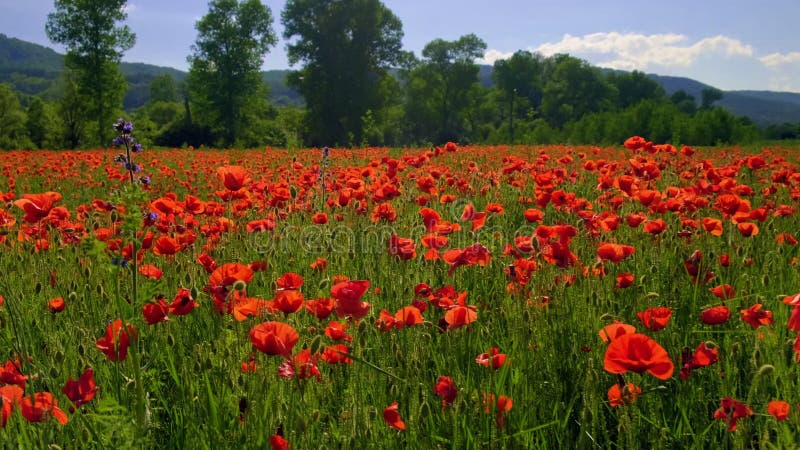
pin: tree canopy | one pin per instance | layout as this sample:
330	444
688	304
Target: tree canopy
224	79
346	48
95	44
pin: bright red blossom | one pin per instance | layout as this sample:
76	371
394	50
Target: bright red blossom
116	340
391	414
637	353
82	390
731	411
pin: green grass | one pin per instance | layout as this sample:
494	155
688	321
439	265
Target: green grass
194	394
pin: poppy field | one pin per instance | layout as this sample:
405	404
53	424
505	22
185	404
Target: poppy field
639	296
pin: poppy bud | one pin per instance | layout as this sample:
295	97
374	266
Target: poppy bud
239	285
765	370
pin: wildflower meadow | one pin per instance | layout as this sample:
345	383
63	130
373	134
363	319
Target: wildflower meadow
636	296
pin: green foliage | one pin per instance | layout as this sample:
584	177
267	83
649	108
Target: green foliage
441	88
573	89
72	113
42	124
162	89
13	132
346	48
224	78
95	45
634	87
709	96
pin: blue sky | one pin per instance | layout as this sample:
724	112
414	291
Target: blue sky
733	44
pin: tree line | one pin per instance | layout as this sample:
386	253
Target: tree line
359	86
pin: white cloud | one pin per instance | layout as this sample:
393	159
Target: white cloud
493	55
639	51
774	60
719	60
129	8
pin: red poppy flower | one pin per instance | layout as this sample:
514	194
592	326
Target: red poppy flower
493	358
615	330
233	177
348	298
402	247
755	317
336	354
11	374
619	396
503	405
225	276
277	442
747	229
10	396
655	318
37	206
56	305
260	225
40	407
778	409
430	218
624	280
731	411
391	414
155	312
114	344
459	315
533	215
319	218
655	226
468	256
82	390
337	331
207	262
287	301
407	316
182	303
614	252
150	271
302	365
446	389
319	264
637	353
320	307
724	291
712	225
384	211
715	315
274	338
702	357
166	246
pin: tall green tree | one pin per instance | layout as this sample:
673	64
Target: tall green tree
162	89
708	96
346	47
225	75
574	89
439	88
13	134
72	113
634	87
42	124
685	102
520	80
95	43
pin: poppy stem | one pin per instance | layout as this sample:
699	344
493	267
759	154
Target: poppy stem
356	358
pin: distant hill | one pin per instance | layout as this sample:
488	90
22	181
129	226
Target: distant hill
762	107
35	70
